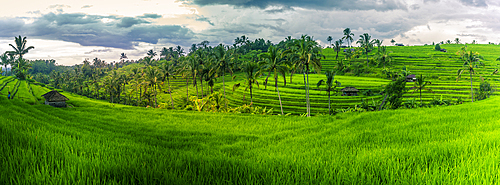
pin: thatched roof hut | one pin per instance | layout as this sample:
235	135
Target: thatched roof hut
55	99
411	78
349	91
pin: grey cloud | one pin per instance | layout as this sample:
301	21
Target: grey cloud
279	10
89	30
128	22
99	51
415	7
433	1
59	6
151	15
384	5
87	6
201	18
476	3
428	27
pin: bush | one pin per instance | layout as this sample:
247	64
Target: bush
484	91
395	91
437	47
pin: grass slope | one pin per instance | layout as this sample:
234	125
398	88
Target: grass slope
97	142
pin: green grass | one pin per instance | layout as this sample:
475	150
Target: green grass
101	143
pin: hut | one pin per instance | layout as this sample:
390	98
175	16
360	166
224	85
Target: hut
411	78
55	99
349	91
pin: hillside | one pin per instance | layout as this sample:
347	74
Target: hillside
98	142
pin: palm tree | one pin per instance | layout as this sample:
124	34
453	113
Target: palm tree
420	85
329	39
123	56
383	56
193	66
151	54
167	70
179	51
153	77
448	41
379	43
20	48
252	72
20	67
275	61
330	86
348	36
393	41
471	61
337	46
165	53
223	57
367	44
457	40
4	60
308	54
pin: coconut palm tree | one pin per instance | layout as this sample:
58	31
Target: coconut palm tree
167	70
393	41
308	54
4	60
251	71
348	36
329	39
330	86
223	58
151	54
379	44
123	56
420	85
20	68
179	51
275	61
20	49
337	46
367	44
383	56
471	60
457	41
153	78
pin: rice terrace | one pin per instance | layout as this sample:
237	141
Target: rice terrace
155	101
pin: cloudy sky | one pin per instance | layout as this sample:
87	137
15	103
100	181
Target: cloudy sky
70	31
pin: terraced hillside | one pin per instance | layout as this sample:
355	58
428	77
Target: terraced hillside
96	142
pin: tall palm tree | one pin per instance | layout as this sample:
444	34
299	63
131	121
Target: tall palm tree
471	60
330	86
153	78
252	72
20	67
348	36
223	58
165	53
4	60
20	49
383	56
193	66
379	43
457	41
329	39
168	71
337	46
393	41
367	44
275	61
179	51
123	56
308	53
420	85
151	54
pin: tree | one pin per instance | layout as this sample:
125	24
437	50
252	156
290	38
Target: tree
153	78
179	51
383	56
366	44
223	58
275	61
168	71
252	72
448	41
329	39
379	44
123	56
20	49
395	91
457	40
151	54
337	46
20	68
348	36
420	85
308	54
4	60
393	41
471	60
330	86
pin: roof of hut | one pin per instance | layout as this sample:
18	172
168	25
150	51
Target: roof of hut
410	76
349	89
54	96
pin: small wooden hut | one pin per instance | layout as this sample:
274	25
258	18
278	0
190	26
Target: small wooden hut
411	78
55	99
349	91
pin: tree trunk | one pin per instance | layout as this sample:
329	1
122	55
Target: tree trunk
471	91
156	92
170	92
367	62
201	81
187	89
308	101
284	79
251	97
329	105
196	85
279	97
265	83
307	97
337	56
224	87
420	95
291	76
383	102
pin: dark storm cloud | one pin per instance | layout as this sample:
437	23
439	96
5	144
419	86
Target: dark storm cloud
90	30
383	5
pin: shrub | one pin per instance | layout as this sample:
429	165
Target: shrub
484	91
437	47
